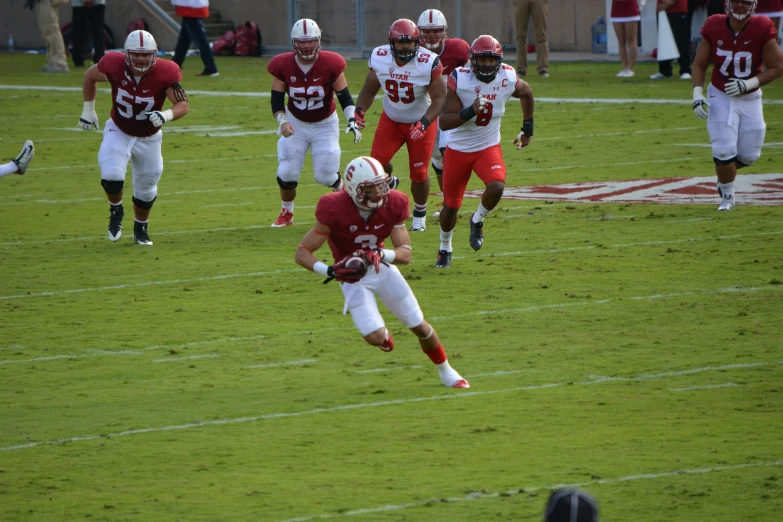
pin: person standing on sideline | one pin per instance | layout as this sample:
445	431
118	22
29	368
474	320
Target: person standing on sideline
680	22
772	9
538	10
48	16
19	164
312	78
625	17
140	85
414	89
737	44
83	11
475	103
193	13
453	53
356	222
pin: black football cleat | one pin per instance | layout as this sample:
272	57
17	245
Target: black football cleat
115	222
476	235
444	259
140	235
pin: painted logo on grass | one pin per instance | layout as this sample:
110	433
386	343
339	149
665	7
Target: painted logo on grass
751	189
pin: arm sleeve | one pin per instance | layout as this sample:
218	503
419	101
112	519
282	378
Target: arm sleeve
278	101
345	98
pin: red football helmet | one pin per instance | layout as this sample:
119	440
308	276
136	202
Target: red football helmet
741	9
402	31
486	46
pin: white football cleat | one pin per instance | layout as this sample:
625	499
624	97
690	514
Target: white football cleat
419	224
727	204
25	157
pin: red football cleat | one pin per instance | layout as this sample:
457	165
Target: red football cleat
285	219
388	344
462	383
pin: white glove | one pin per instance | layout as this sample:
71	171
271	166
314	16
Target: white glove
89	119
482	103
700	104
352	127
735	87
158	118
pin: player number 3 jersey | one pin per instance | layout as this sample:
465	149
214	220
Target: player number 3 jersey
405	86
484	130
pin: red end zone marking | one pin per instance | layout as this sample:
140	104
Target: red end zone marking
751	189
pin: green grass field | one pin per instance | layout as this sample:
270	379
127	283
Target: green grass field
633	349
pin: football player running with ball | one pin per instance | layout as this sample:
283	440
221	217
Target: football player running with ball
453	53
311	78
140	84
414	89
475	103
356	221
737	44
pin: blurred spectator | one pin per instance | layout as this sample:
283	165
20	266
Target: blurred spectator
772	9
537	9
680	22
48	16
84	12
193	13
571	505
625	17
716	7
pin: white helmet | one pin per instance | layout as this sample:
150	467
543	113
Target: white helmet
746	11
141	52
306	39
366	182
432	26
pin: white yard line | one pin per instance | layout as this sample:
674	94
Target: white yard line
708	387
361	406
94	352
478	495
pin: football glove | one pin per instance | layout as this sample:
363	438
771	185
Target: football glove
358	117
158	118
735	87
89	119
353	127
419	129
373	258
342	273
700	104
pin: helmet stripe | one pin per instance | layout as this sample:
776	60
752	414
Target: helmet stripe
304	27
430	15
141	38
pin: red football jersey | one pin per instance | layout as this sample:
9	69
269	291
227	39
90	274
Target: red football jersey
736	56
769	6
349	231
310	94
131	101
624	8
455	54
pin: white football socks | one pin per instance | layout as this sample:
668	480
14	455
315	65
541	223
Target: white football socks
480	214
727	190
445	240
8	168
288	205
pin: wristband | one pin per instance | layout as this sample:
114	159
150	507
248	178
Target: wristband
425	122
89	106
527	127
349	112
467	113
281	119
698	93
388	255
168	114
753	83
321	268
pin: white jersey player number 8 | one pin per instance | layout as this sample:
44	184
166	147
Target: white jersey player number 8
310	99
739	70
125	109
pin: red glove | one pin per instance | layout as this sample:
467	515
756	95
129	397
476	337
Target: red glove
419	129
346	274
358	117
373	258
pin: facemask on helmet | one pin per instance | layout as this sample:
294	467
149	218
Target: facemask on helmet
306	39
486	46
141	52
367	183
432	26
404	31
741	9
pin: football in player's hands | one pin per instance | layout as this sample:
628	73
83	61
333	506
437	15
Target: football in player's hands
358	265
373	257
349	269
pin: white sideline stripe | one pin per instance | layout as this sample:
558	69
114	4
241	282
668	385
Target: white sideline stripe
289	363
478	495
660	101
348	407
273	272
708	387
174	359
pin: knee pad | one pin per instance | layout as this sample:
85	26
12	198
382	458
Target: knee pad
328	178
112	186
438	170
720	162
336	183
287	185
747	160
143	204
